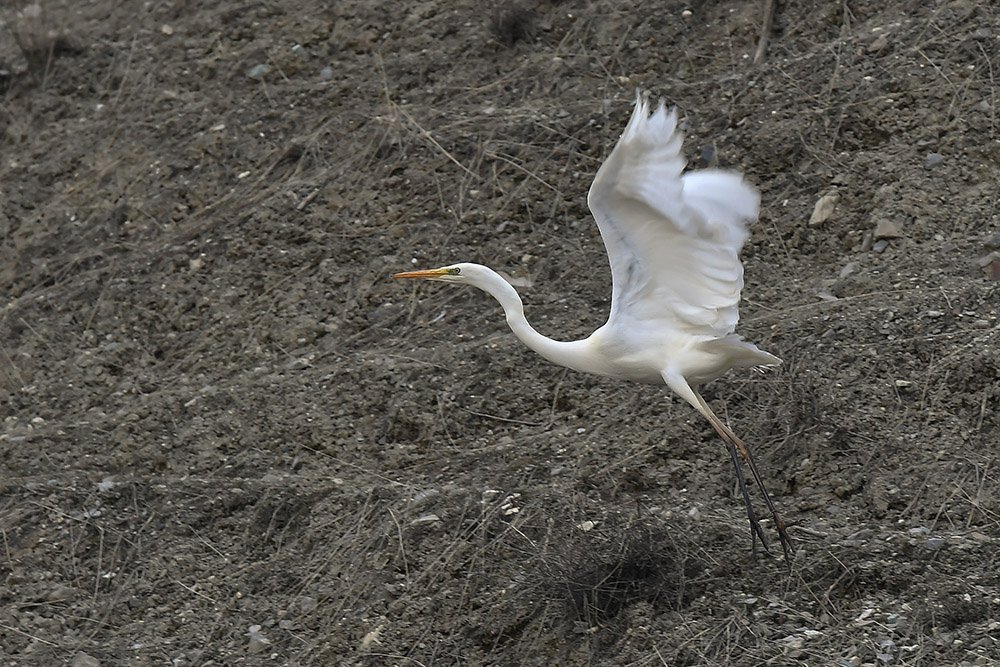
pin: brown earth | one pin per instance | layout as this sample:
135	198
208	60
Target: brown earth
228	437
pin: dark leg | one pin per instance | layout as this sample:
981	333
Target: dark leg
735	443
685	391
755	529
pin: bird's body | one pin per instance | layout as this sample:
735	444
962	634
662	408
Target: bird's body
673	242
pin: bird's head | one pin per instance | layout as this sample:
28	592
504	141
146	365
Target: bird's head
453	273
477	275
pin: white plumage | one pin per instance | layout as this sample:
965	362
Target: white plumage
673	241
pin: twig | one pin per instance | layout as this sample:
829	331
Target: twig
305	202
429	137
22	632
192	590
498	418
765	31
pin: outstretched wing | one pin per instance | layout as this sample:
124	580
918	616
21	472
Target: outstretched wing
673	239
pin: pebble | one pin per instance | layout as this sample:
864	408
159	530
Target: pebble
934	543
386	311
823	209
880	43
880	245
933	160
992	243
258	642
258	71
886	229
424	496
82	659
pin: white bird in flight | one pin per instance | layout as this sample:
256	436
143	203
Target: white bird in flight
673	241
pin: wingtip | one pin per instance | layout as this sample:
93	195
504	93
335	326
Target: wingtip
661	120
661	107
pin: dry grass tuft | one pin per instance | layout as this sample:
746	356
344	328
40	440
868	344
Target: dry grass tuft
599	573
512	22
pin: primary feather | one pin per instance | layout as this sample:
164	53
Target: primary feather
673	239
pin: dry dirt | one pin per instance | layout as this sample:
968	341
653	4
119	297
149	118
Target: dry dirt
228	437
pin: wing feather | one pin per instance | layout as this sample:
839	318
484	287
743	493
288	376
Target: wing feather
673	239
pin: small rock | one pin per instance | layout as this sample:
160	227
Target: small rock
934	543
425	495
993	243
879	43
82	659
60	593
933	160
326	73
983	262
823	209
847	270
880	245
258	642
991	264
384	312
886	229
258	71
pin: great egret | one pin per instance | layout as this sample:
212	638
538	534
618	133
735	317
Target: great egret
673	241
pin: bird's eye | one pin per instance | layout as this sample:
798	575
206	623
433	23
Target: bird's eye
454	271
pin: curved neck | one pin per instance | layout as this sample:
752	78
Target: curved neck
572	354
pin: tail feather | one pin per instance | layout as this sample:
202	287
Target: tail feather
742	354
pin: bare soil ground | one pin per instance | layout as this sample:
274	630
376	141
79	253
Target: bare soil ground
228	437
